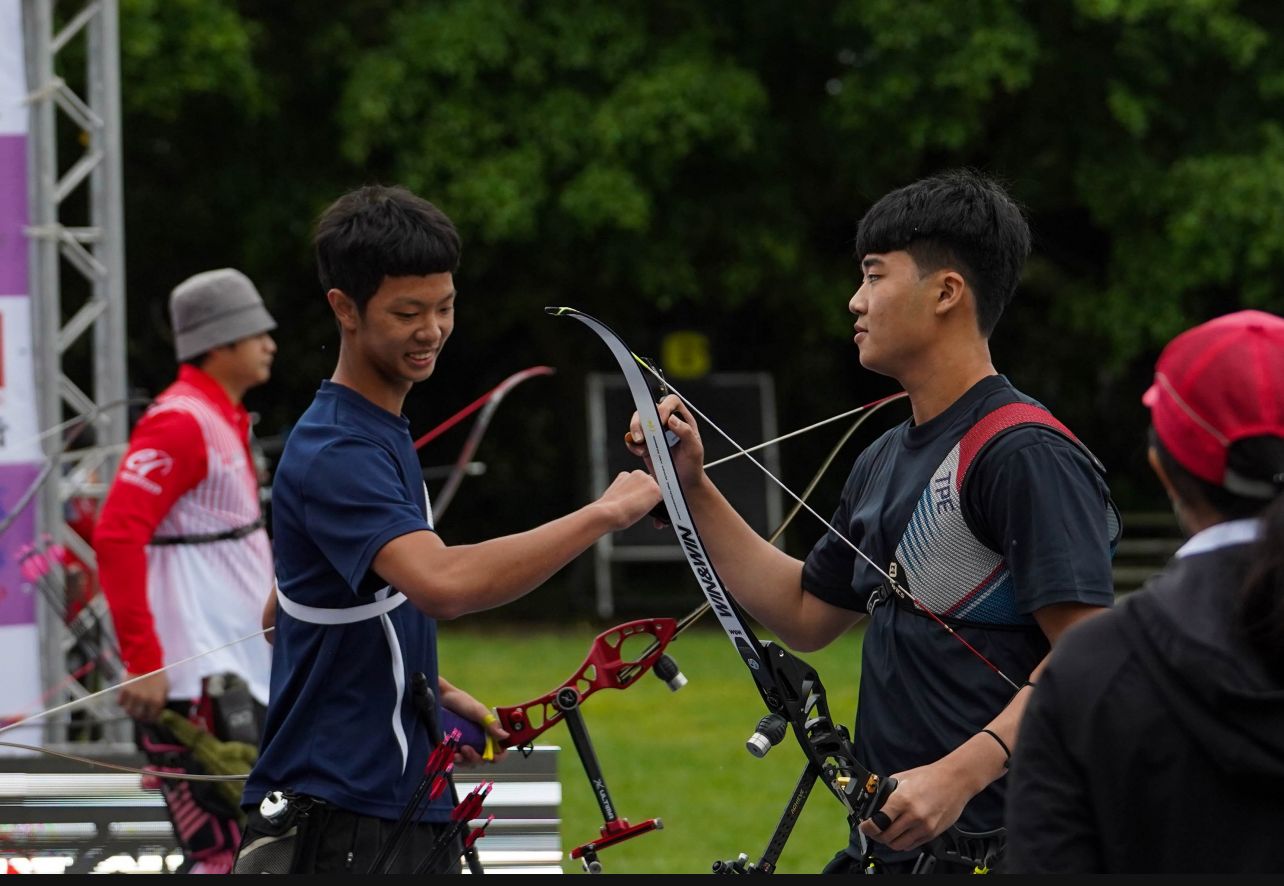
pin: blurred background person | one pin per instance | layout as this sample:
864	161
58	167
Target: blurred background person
184	559
1154	741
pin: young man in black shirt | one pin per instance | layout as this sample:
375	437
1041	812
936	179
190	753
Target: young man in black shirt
983	506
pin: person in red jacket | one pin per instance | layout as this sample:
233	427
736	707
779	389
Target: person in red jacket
183	557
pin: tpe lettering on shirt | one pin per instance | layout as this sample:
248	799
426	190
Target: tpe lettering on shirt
943	486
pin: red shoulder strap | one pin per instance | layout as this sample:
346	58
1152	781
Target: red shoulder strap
1002	419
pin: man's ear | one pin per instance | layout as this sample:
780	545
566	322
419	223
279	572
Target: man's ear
345	309
951	291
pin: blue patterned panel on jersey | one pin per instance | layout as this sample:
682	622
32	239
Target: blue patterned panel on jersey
940	560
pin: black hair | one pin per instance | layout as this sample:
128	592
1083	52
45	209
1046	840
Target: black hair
959	219
378	231
1260	603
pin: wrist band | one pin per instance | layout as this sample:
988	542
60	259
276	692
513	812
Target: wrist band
1007	754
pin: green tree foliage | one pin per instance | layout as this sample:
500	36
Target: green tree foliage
672	165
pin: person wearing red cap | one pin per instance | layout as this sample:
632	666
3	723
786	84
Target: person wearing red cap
983	507
184	559
1154	742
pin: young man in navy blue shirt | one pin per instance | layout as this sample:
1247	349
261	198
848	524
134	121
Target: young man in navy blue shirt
982	507
362	576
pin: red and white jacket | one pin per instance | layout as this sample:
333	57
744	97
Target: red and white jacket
189	471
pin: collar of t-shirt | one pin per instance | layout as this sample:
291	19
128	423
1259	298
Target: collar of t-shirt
1222	535
368	408
924	434
235	413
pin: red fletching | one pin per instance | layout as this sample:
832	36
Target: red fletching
478	832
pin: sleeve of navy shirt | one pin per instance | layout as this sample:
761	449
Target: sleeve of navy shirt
357	511
1044	507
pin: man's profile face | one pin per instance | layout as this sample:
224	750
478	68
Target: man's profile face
893	308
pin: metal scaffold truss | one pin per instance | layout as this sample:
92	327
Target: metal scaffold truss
78	313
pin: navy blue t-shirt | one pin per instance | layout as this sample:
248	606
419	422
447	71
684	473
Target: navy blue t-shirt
348	482
1034	497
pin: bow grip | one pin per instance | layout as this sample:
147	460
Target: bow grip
874	793
471	733
659	513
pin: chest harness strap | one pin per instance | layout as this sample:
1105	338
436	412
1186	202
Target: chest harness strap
385	600
941	559
202	538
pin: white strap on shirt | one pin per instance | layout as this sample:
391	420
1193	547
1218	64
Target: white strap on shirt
386	600
323	615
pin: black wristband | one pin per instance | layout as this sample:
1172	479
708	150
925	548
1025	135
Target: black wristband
1007	754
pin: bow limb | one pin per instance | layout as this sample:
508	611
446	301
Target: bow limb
666	477
499	390
488	402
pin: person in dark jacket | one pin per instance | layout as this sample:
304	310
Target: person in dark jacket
1154	741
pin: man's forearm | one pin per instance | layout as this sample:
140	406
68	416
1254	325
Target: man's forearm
984	757
123	577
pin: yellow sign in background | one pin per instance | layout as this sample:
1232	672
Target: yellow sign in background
685	354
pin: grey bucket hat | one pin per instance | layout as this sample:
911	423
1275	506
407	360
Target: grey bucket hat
215	308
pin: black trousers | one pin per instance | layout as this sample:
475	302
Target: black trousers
845	863
318	838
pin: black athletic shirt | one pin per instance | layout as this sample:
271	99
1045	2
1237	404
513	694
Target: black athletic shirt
1033	496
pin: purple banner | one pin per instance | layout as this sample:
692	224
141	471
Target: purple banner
17	594
13	215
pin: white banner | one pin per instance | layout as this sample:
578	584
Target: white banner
19	436
13	76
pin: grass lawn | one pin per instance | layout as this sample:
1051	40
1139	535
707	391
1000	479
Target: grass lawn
677	756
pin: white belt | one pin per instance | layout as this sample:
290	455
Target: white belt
386	600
